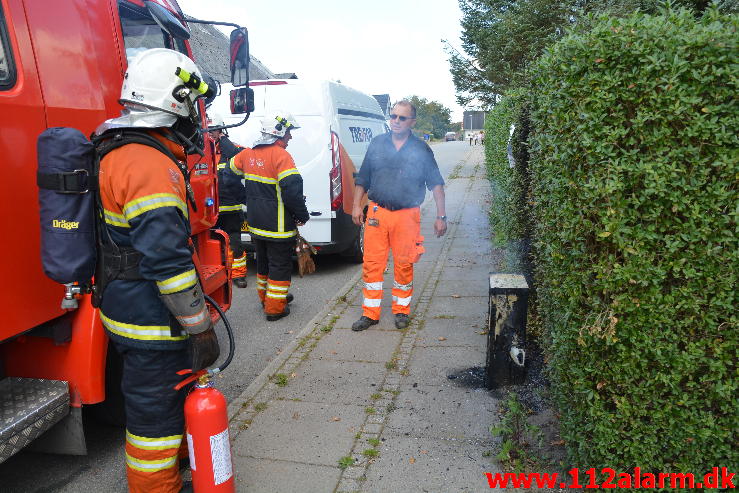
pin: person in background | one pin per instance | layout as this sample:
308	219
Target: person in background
395	173
275	206
231	198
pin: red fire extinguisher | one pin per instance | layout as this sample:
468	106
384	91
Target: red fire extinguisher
206	424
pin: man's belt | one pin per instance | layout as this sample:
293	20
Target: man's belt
391	207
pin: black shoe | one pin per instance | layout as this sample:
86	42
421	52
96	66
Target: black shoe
363	323
240	282
402	320
187	487
290	297
285	313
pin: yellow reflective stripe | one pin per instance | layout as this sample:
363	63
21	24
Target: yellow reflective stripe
150	465
280	211
179	282
276	296
272	287
141	332
288	172
160	443
151	202
260	179
240	262
221	166
271	234
232	165
229	208
115	219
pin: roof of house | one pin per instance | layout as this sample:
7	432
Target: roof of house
384	101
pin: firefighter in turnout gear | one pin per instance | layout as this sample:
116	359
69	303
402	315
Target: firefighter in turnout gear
153	306
275	206
230	198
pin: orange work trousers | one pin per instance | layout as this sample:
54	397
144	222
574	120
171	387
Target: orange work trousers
387	230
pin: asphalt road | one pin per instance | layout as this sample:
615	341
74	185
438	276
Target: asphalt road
257	342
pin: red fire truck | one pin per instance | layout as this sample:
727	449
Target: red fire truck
62	64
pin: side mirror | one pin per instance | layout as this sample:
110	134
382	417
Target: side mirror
239	62
167	21
242	100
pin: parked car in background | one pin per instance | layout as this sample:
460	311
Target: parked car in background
450	136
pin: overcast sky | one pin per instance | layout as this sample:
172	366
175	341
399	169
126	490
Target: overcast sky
379	47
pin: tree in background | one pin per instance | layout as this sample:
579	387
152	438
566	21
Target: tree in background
501	38
432	117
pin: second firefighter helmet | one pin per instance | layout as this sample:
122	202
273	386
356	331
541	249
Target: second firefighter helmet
165	80
215	119
276	126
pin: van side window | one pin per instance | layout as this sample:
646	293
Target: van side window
141	32
7	67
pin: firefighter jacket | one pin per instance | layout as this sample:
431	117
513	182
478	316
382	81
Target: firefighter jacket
230	188
145	207
274	192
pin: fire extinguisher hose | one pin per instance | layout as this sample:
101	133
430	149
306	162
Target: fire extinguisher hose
229	331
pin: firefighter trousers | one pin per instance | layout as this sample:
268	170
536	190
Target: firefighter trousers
231	222
155	419
387	230
274	271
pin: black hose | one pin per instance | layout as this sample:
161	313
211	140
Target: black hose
229	331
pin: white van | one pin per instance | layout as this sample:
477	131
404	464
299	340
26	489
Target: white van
337	124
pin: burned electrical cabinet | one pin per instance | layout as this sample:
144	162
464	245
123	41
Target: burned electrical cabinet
506	353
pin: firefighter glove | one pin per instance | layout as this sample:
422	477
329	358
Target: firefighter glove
190	310
204	349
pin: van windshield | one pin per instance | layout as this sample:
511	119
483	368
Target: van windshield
141	32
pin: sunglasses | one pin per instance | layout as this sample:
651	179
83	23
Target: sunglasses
393	116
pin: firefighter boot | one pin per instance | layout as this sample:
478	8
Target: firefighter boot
277	316
240	282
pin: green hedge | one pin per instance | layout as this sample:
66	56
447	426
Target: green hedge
504	205
634	174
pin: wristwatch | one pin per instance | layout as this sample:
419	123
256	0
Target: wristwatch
443	218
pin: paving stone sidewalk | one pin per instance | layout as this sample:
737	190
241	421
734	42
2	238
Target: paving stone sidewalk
377	411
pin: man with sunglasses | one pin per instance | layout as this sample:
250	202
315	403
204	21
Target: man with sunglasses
395	173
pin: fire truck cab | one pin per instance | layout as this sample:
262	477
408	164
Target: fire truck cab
62	64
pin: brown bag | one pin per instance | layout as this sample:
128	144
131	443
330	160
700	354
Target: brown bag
304	251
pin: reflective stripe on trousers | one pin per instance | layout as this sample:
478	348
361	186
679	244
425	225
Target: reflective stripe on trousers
261	287
276	297
239	266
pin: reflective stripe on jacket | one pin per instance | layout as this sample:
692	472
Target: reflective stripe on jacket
145	207
274	191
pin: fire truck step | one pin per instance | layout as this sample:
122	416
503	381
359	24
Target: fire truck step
29	407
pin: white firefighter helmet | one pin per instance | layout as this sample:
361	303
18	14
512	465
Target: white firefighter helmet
165	80
215	119
275	127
